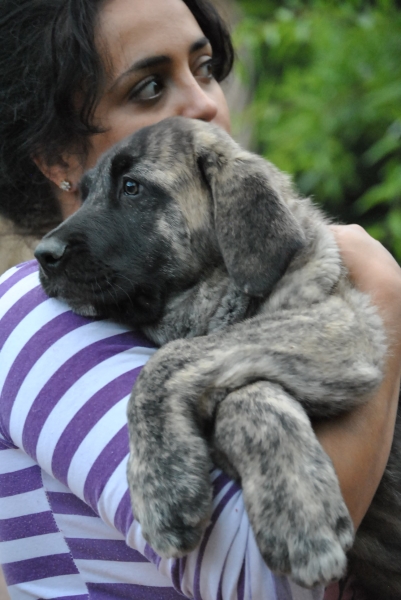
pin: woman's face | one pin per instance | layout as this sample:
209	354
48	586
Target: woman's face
158	63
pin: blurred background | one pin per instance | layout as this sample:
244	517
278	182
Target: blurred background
322	100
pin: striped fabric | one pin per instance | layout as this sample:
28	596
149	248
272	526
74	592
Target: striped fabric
66	526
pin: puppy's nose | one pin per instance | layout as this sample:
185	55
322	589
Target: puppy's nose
51	254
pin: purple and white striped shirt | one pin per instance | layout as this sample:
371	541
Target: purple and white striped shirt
66	526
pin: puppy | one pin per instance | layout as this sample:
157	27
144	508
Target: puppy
209	250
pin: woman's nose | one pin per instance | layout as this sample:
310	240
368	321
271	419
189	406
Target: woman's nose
196	103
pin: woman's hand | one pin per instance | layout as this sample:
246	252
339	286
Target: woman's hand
359	442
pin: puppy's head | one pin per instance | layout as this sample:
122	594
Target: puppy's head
160	210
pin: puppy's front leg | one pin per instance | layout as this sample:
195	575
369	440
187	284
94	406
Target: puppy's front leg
291	492
169	464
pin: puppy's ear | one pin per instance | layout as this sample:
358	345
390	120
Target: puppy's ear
256	231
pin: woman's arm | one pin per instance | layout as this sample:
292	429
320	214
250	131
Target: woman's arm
359	442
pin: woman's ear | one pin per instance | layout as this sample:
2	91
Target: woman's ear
69	170
65	175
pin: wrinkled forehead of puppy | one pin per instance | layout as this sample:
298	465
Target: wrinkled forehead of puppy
167	154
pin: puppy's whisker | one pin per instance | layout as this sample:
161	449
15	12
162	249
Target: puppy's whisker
126	293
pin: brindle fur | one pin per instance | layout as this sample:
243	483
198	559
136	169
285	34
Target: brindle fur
218	260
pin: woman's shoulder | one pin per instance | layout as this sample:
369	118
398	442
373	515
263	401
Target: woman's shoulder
44	346
23	302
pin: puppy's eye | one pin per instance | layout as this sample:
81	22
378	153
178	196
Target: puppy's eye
131	187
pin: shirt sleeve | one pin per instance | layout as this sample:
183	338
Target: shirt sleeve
65	382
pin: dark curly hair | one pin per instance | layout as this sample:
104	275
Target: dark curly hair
47	57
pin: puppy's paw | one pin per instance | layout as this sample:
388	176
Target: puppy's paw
302	530
310	556
171	535
344	530
173	509
317	559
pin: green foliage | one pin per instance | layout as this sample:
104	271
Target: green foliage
327	103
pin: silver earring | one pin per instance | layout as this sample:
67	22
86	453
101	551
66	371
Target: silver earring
65	186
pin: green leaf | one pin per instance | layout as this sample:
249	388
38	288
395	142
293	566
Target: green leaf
326	103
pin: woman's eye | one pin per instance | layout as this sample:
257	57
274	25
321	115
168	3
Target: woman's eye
205	70
131	187
150	89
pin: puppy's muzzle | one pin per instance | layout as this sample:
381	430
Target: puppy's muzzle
52	255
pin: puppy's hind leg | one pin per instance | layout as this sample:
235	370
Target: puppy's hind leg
291	492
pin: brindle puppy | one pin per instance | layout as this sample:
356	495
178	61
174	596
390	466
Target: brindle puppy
191	238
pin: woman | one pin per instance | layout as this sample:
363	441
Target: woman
75	77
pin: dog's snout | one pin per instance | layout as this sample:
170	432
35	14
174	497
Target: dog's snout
51	254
